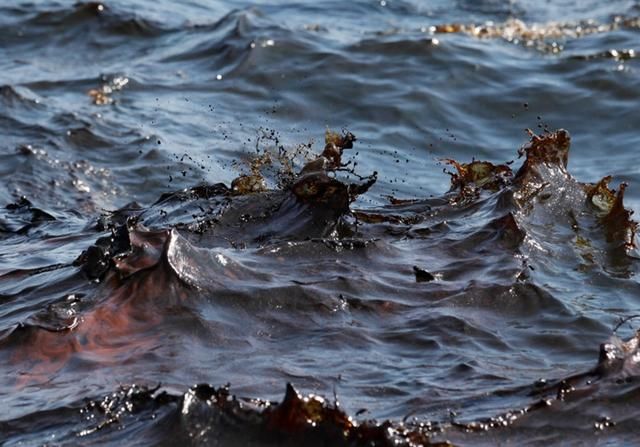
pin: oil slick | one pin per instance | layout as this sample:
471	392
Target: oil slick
199	242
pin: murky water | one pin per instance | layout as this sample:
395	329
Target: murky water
479	305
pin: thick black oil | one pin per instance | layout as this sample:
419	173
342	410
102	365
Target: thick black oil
187	256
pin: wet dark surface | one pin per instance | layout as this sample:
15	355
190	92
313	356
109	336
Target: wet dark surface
171	216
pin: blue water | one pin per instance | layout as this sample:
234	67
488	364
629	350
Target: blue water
105	104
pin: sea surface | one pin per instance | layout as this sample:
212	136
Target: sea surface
147	300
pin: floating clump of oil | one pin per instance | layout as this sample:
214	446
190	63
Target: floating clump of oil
316	182
546	37
615	218
546	156
209	414
102	95
470	178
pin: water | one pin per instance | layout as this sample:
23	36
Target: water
440	312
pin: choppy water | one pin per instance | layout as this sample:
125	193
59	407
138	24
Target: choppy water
450	312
